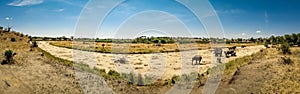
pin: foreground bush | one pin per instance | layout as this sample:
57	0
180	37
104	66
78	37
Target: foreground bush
286	60
285	48
9	54
34	44
113	73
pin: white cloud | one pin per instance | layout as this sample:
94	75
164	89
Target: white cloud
243	34
59	10
258	31
25	2
8	18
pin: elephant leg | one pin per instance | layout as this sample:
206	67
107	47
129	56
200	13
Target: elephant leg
193	61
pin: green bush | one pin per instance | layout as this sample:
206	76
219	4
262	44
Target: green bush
285	48
9	54
174	79
12	39
286	60
114	73
34	44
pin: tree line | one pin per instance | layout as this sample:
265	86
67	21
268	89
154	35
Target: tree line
291	39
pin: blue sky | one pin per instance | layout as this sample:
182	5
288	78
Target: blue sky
239	18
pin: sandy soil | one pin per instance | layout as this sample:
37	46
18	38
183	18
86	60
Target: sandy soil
157	65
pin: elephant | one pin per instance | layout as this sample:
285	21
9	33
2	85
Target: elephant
232	48
218	52
231	52
243	46
197	58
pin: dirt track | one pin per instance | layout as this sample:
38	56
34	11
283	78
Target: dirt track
158	65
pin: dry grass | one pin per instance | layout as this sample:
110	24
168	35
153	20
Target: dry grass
263	72
134	48
32	72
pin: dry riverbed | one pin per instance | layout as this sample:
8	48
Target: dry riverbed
157	65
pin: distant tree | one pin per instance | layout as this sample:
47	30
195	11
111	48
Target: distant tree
294	38
268	41
44	38
103	45
163	41
251	39
72	37
63	38
287	38
298	42
171	41
298	35
273	40
280	39
240	39
156	41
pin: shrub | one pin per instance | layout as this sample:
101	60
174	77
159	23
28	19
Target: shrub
12	39
9	54
163	41
158	44
286	60
101	71
298	42
267	45
113	73
103	45
174	79
285	48
34	44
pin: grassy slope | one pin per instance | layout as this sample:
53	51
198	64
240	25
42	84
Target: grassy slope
263	72
32	73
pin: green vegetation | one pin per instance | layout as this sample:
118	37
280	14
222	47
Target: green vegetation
285	48
9	54
65	62
12	39
233	65
113	73
34	44
290	39
286	60
148	40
